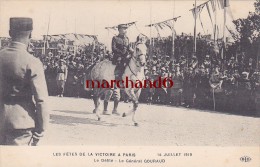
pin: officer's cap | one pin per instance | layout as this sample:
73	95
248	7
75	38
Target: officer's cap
122	26
21	24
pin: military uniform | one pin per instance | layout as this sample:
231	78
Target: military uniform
176	90
62	73
21	79
121	51
120	48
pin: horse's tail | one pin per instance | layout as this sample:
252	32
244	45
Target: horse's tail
88	78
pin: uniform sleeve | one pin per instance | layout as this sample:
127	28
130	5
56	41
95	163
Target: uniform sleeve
40	92
114	47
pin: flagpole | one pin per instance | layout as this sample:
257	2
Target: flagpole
215	33
92	55
173	33
46	38
151	49
224	32
195	27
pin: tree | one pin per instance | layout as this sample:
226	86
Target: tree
249	36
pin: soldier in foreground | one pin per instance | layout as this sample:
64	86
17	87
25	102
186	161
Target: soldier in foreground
22	121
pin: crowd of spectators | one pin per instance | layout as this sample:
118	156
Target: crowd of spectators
193	74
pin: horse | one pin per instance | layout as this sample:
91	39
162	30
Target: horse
134	71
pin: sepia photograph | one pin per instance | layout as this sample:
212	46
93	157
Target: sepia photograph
130	83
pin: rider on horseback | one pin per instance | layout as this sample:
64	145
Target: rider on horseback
121	51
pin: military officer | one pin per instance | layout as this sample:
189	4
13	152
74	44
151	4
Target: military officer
23	120
207	63
121	50
121	55
62	73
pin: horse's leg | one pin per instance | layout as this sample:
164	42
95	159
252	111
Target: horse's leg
95	99
108	95
97	108
134	97
116	100
95	103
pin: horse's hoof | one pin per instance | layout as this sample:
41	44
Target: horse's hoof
99	119
94	111
136	124
124	115
116	113
106	113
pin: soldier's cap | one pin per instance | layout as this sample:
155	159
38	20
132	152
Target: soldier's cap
207	56
232	58
122	26
177	65
21	24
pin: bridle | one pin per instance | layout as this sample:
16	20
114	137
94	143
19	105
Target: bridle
136	59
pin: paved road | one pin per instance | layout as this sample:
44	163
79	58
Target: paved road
72	123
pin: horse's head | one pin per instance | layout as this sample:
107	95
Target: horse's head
141	50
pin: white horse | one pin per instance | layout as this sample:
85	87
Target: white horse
134	71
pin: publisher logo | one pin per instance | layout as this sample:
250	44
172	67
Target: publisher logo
245	159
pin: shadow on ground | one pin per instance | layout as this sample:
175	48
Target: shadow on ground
74	112
73	121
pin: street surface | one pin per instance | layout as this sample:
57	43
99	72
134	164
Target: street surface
73	123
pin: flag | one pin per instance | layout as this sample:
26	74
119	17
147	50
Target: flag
198	10
221	4
226	3
156	27
209	13
213	5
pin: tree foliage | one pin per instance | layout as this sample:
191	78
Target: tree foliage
249	32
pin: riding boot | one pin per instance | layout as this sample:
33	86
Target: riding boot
105	108
115	107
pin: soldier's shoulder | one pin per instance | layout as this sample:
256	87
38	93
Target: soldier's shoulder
34	62
116	37
2	51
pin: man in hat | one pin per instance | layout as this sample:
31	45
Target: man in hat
121	56
194	62
207	63
23	120
182	62
121	50
62	73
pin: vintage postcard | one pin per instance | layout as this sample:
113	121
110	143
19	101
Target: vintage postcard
129	83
